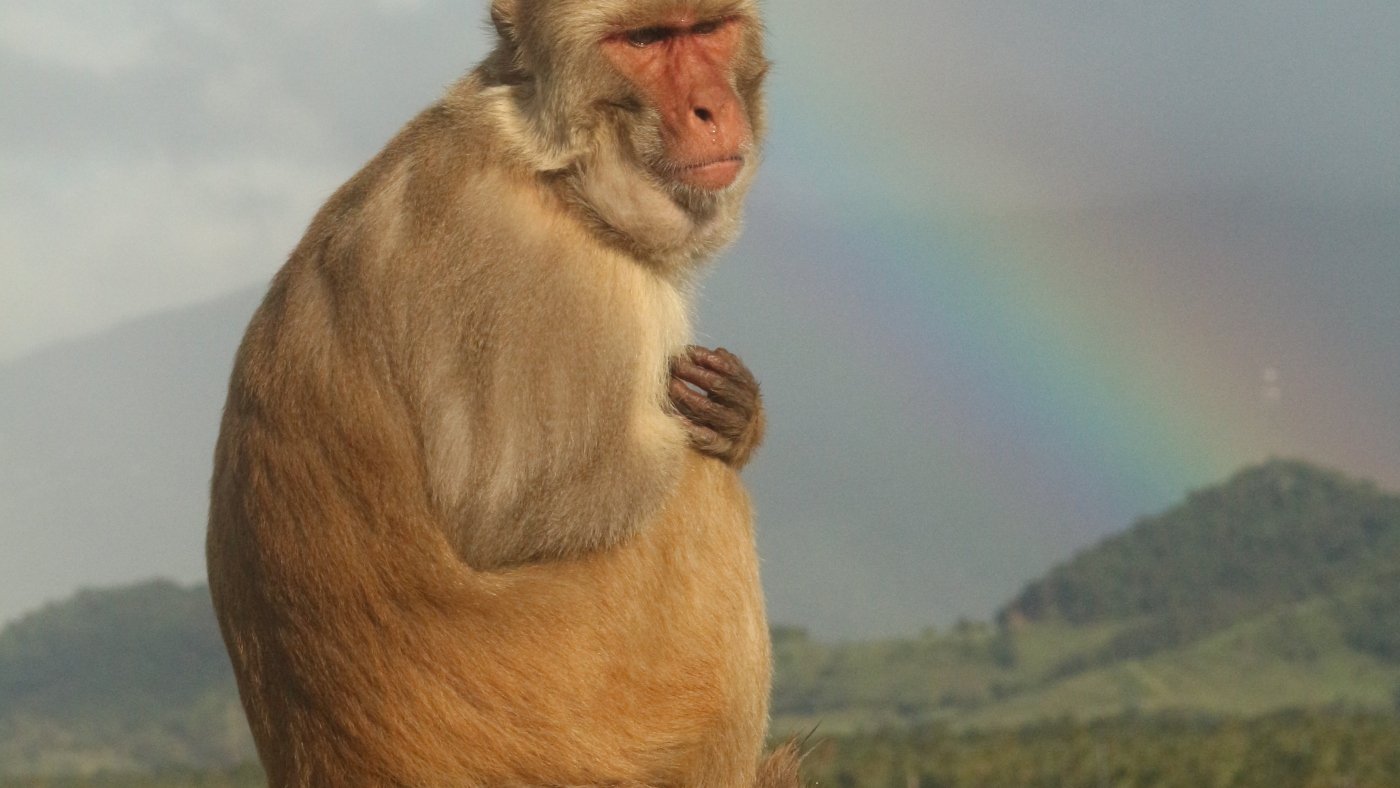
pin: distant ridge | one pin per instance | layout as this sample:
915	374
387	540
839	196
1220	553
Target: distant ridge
105	452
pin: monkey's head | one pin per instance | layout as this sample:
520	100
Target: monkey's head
650	111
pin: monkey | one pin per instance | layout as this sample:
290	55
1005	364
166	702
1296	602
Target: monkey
476	516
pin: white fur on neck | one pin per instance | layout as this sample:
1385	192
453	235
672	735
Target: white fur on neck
614	190
632	204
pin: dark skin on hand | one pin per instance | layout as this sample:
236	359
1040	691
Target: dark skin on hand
718	399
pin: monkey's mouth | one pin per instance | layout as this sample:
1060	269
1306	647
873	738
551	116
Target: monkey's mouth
711	175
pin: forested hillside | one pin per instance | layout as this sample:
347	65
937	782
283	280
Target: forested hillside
1271	536
124	679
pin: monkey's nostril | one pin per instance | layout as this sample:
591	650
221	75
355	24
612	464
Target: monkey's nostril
704	115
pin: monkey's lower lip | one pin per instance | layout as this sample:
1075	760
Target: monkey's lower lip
713	175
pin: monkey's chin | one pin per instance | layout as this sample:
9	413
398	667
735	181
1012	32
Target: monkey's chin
711	176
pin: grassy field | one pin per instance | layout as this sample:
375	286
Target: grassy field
1295	656
1306	749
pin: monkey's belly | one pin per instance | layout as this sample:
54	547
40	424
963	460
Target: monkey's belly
660	648
649	662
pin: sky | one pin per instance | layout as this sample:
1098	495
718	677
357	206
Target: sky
1014	274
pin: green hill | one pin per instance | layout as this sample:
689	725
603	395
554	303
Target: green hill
132	678
1279	589
1272	535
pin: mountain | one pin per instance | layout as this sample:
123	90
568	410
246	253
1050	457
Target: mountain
105	448
1273	535
1278	589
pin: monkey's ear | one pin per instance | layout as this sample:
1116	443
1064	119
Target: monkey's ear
507	64
503	14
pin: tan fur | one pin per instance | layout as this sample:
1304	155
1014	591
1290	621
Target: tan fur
457	535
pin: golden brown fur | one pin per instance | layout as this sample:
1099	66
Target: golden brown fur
459	534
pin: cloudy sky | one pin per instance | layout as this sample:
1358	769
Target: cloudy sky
156	154
1015	274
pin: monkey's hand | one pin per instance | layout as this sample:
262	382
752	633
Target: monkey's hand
723	412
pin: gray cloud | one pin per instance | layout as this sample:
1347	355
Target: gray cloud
154	155
1088	101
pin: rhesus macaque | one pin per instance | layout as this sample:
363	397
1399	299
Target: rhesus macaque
476	516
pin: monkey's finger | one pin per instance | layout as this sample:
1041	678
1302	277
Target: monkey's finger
741	385
731	383
695	406
707	380
720	360
728	422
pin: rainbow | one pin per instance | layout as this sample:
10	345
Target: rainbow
1060	339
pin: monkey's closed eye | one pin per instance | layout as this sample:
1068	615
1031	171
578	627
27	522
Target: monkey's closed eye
706	28
647	36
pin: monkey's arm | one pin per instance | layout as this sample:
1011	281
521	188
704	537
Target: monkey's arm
724	418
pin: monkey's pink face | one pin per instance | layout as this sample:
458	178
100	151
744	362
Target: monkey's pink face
684	67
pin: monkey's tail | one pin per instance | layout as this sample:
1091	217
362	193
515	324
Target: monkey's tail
782	768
